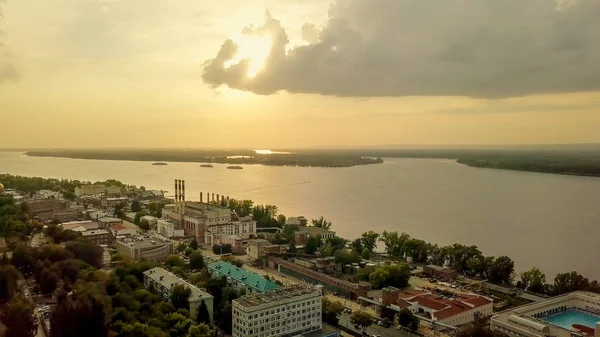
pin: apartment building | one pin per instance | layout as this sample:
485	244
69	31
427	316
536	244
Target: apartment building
240	278
44	209
97	189
99	236
162	281
244	228
302	235
289	311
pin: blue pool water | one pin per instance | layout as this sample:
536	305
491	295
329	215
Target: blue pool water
570	317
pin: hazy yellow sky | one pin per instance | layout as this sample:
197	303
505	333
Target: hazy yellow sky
161	73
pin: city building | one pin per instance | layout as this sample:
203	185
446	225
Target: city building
142	247
333	284
98	236
256	249
150	219
441	273
162	281
97	189
433	308
112	202
572	314
241	278
108	221
304	233
66	215
244	228
80	226
44	209
120	231
289	311
195	217
168	229
296	221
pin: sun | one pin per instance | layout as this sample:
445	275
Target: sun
252	47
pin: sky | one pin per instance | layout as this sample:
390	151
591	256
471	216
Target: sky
298	73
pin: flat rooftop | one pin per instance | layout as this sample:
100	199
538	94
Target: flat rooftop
144	242
326	331
169	280
94	232
312	230
275	295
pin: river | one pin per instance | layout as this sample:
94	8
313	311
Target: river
544	220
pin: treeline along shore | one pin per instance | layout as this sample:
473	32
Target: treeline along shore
215	156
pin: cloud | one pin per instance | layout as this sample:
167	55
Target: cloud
486	49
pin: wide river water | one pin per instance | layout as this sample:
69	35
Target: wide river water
544	220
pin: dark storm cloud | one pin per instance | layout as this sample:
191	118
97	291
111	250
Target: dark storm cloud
374	48
8	72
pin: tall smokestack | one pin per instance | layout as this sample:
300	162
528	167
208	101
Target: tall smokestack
176	196
200	197
218	201
183	197
227	201
213	197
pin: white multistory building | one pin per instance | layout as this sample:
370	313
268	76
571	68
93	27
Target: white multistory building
289	311
244	228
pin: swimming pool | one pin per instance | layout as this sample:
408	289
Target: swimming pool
567	318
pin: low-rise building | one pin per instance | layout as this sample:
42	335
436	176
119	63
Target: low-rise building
80	226
168	229
451	311
120	230
66	215
162	281
241	278
107	222
45	208
256	249
289	311
244	228
304	233
142	247
296	221
114	201
441	273
150	219
99	236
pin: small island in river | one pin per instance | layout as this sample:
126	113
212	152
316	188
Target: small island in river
235	168
160	164
206	165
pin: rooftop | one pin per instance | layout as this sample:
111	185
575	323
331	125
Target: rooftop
243	276
109	219
274	295
326	331
169	280
95	232
142	242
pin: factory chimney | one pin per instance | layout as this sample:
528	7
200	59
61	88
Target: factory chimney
200	197
176	196
183	197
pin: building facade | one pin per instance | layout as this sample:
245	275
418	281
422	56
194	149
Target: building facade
99	236
256	249
44	209
138	248
195	217
168	229
304	233
97	189
240	278
162	281
441	273
289	311
244	228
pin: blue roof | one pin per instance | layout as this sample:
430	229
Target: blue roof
243	276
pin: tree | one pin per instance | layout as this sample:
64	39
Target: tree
533	280
281	219
357	245
154	209
194	244
136	206
17	317
49	282
327	250
501	270
366	254
203	315
119	212
188	251
81	314
86	251
321	223
23	258
196	260
222	249
345	257
369	240
362	319
568	282
292	248
408	320
9	276
200	330
181	247
396	275
137	218
312	244
144	225
180	295
174	261
331	311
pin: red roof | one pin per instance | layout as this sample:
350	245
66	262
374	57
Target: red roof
118	227
442	307
412	293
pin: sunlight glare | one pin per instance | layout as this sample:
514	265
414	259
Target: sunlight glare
254	48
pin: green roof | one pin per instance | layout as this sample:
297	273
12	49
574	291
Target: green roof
243	276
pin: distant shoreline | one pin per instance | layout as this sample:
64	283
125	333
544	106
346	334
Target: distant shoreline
216	157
